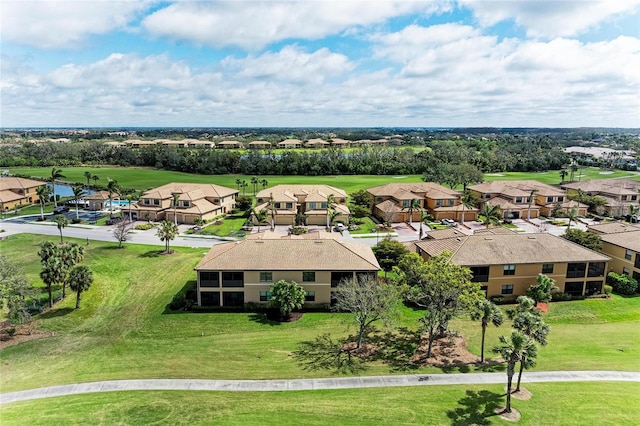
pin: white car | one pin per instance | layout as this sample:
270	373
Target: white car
339	227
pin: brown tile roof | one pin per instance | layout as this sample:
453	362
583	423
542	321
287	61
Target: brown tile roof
609	186
388	206
628	240
502	249
292	191
416	188
189	191
440	234
18	183
516	188
100	196
7	196
315	235
613	228
290	255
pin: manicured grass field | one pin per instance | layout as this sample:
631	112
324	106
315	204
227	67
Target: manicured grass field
552	404
145	178
123	329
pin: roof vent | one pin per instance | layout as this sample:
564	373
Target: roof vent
459	239
318	241
259	242
488	238
531	238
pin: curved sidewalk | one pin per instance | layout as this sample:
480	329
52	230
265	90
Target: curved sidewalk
314	384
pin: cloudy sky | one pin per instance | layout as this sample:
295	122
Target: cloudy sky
448	63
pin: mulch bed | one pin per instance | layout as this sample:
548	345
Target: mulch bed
513	416
23	333
543	307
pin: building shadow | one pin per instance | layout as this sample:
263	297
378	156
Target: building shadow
475	408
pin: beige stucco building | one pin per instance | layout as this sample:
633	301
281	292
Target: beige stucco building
619	194
15	191
621	242
236	273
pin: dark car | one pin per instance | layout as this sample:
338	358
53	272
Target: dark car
61	209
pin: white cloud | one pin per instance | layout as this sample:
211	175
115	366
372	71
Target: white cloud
256	24
48	24
551	18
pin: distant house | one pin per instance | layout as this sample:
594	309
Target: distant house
99	200
229	145
340	143
196	143
259	145
195	200
506	263
290	201
15	191
317	143
392	202
232	274
621	242
619	194
137	143
290	143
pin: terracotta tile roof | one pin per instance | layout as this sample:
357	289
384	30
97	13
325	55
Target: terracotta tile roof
613	228
189	191
516	188
7	196
294	190
290	255
502	249
628	240
609	186
388	206
18	183
418	188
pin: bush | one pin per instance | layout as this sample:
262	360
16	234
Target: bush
608	289
144	227
497	299
178	302
564	297
359	211
76	220
622	284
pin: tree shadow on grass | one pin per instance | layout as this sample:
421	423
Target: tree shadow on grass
475	408
491	366
262	318
396	349
324	353
53	313
152	253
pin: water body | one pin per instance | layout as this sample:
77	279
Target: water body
67	190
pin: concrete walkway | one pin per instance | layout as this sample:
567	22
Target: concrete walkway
314	384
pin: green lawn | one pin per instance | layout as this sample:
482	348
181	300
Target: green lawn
552	404
145	178
367	226
123	330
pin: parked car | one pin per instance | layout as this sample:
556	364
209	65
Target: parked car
449	222
61	209
339	227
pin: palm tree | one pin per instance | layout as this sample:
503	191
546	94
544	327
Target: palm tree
55	175
264	183
130	200
563	175
44	192
467	200
112	187
260	216
633	213
491	214
514	350
62	222
574	168
52	272
244	185
487	312
95	180
87	176
413	206
167	232
531	195
78	192
333	215
238	182
271	207
331	200
174	202
424	217
254	182
572	215
80	279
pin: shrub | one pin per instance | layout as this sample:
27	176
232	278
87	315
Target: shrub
563	297
76	220
178	302
359	211
622	284
144	227
608	289
497	299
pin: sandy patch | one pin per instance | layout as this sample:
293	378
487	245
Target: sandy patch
495	174
399	177
608	172
23	333
513	416
523	394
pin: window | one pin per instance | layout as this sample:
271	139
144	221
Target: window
549	199
593	287
156	202
336	277
637	262
232	279
308	277
406	203
624	198
574	289
209	279
266	277
209	298
438	202
634	197
480	274
636	276
185	203
378	199
277	205
509	270
323	205
596	269
576	270
233	298
146	201
450	202
518	200
560	199
310	296
265	296
628	254
507	289
547	268
288	206
625	271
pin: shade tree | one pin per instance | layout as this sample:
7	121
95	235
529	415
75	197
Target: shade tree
167	232
286	296
15	289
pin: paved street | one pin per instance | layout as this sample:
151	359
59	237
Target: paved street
315	384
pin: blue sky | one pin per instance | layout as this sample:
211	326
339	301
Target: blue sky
444	63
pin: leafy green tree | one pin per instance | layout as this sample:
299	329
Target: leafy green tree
244	202
362	198
78	193
44	192
167	231
61	222
491	214
368	300
487	313
80	279
541	292
586	239
622	284
388	253
55	175
286	296
443	289
519	347
14	291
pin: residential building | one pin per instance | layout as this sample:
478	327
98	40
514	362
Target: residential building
232	274
507	263
229	145
195	200
290	143
15	191
619	194
317	143
621	242
259	145
512	197
292	202
99	200
391	202
340	143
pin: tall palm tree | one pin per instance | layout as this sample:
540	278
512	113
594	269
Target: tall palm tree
244	185
563	175
167	231
87	176
62	222
260	216
80	279
78	193
424	217
174	202
95	179
572	215
491	214
55	175
44	192
467	200
264	183
254	182
113	188
530	201
514	350
331	200
414	205
271	207
238	182
487	312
